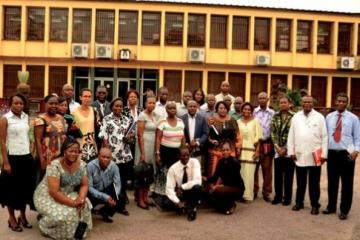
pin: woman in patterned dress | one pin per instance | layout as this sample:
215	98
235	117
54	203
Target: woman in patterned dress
251	133
116	134
60	198
49	133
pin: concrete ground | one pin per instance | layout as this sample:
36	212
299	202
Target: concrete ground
257	220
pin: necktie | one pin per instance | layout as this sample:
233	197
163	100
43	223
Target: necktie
185	176
102	109
338	128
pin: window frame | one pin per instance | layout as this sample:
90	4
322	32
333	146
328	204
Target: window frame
157	27
238	35
262	45
342	45
281	37
178	33
81	39
218	25
133	39
174	88
30	29
328	37
100	33
309	36
196	33
9	31
64	28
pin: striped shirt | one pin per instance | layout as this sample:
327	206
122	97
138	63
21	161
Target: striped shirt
171	136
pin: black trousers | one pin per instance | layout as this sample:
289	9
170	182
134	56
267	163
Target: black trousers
191	197
106	209
340	166
224	197
125	170
284	176
302	174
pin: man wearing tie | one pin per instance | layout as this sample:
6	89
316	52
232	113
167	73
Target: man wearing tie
183	184
344	145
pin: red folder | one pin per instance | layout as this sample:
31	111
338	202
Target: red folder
317	156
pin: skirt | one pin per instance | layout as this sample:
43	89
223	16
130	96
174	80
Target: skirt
17	188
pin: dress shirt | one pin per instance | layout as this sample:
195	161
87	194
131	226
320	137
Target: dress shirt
307	134
73	105
181	109
17	139
220	97
100	179
235	115
205	111
264	117
175	176
160	110
350	132
191	122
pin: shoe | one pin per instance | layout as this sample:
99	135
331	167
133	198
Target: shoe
255	195
107	219
297	207
124	212
16	228
25	223
192	215
146	207
314	211
328	211
276	201
266	198
150	204
286	202
231	210
342	216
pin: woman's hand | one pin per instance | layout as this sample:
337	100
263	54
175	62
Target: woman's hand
79	203
256	156
158	159
142	158
7	168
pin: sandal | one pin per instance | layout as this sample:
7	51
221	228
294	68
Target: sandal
16	228
25	223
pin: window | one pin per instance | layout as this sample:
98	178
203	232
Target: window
303	41
57	78
218	38
193	80
278	85
262	34
196	30
214	81
344	39
172	80
35	23
81	25
339	84
354	94
174	29
10	76
283	34
36	80
279	79
358	43
324	37
151	24
237	84
240	38
318	90
12	23
300	82
128	27
58	24
105	26
258	84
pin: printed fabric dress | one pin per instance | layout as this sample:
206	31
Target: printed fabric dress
53	136
87	127
59	221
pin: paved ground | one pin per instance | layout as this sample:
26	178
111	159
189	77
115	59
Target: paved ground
258	220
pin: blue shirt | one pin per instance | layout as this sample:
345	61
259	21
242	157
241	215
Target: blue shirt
101	179
350	132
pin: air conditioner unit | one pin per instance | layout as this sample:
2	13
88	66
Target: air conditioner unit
80	50
262	60
125	54
346	63
196	55
103	51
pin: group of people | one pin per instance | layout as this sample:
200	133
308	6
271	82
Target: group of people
204	149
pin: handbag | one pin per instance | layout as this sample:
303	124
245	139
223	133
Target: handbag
143	174
80	229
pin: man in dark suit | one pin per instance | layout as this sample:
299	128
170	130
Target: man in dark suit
196	129
102	107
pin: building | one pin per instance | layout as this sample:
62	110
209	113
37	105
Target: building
181	44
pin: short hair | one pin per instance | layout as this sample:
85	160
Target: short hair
19	95
85	90
285	97
223	103
114	100
132	91
247	104
101	86
47	98
162	88
342	94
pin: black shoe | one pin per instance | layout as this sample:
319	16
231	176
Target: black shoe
328	211
342	216
146	207
286	202
192	215
314	211
266	198
25	223
276	201
16	228
107	219
297	207
124	212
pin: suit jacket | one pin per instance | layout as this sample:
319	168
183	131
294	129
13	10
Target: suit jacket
107	110
201	129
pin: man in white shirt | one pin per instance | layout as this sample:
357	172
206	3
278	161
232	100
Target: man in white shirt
181	108
161	103
68	93
183	183
307	135
224	91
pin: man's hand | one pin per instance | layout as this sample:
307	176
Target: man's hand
353	155
180	205
179	191
111	202
323	160
7	168
293	157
